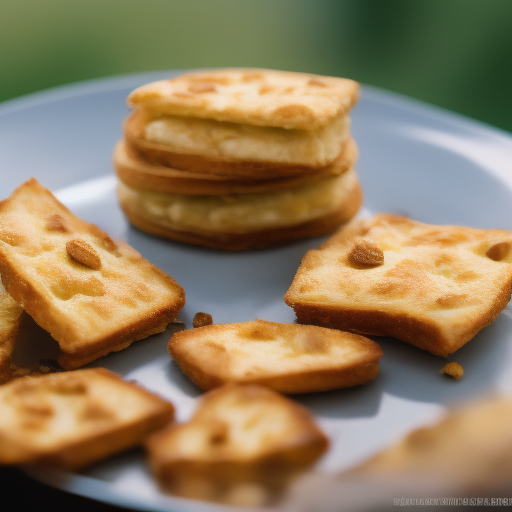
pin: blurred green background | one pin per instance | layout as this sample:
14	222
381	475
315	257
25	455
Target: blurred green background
456	54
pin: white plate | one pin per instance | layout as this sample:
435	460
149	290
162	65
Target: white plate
429	164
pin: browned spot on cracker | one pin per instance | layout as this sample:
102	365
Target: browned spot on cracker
317	83
84	253
265	89
56	223
293	110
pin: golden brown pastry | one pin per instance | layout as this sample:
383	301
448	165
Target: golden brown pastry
432	286
93	295
288	358
70	420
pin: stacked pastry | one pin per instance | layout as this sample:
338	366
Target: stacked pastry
239	159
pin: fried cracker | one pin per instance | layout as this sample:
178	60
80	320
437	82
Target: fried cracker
251	96
285	357
92	295
70	420
432	286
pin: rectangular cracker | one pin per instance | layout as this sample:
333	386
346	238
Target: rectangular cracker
261	97
432	286
92	295
288	358
70	420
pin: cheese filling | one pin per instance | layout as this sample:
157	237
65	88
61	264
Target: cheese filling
242	212
217	139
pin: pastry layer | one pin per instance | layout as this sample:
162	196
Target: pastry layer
216	147
136	172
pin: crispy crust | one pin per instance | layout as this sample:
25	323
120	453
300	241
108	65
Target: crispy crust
251	240
261	97
136	172
37	294
416	325
30	401
197	163
204	355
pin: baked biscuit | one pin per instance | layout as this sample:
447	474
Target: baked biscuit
92	295
432	286
235	150
245	221
10	316
138	173
70	420
242	122
285	357
261	97
242	445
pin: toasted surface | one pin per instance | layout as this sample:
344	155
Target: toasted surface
10	316
136	172
220	148
241	437
469	449
432	286
285	357
251	96
92	295
70	420
231	233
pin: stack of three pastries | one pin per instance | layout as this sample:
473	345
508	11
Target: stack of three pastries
239	159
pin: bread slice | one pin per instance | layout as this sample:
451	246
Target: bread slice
10	317
137	172
70	420
242	445
260	97
92	295
288	358
245	221
432	286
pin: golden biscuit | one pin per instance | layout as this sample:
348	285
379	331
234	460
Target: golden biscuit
92	295
432	286
70	420
136	172
285	357
243	444
248	221
261	97
234	150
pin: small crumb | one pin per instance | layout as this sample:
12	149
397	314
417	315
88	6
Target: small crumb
452	369
202	319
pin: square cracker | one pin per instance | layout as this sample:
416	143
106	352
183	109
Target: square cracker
432	286
261	97
70	420
92	295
